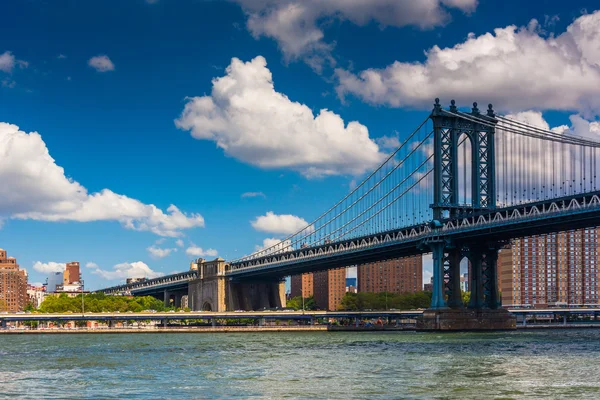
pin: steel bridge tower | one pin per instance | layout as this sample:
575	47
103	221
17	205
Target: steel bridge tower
450	127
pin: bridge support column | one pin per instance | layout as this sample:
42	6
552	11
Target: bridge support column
490	278
3	324
476	284
177	301
484	278
167	298
438	298
453	273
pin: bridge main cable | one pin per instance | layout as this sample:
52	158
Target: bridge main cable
292	240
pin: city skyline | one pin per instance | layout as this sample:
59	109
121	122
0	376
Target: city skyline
125	179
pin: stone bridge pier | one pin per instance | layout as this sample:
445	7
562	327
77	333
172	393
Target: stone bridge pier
173	298
256	295
214	291
447	311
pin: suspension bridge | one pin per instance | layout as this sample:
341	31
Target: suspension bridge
462	184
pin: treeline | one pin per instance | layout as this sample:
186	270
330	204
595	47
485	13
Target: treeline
369	301
385	301
99	302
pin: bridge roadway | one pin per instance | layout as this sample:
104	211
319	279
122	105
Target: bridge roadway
538	217
281	315
501	224
173	282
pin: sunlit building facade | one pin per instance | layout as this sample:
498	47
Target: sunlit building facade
329	287
13	284
398	275
558	269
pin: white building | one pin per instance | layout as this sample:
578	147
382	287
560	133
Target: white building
36	294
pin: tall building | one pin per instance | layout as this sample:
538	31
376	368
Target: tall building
398	275
13	284
301	285
329	287
72	273
551	270
55	280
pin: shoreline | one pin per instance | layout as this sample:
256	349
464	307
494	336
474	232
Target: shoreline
251	329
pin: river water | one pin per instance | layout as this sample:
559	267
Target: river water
333	365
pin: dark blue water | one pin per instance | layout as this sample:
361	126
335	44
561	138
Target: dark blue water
332	365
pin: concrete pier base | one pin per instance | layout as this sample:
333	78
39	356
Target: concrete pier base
466	320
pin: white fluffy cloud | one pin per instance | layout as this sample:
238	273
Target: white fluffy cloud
91	265
274	245
285	224
297	25
513	68
252	122
125	270
49	267
179	242
8	62
158	252
579	125
101	63
195	251
35	187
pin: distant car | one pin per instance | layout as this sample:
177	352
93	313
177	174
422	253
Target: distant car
171	311
240	311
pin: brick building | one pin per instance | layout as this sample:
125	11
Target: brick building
72	273
398	275
329	287
551	270
301	285
13	284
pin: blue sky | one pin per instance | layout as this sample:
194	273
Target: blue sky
124	96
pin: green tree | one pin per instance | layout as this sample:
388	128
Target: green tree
382	301
349	302
296	303
466	296
99	302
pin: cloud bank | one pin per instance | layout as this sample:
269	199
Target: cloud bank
252	122
35	187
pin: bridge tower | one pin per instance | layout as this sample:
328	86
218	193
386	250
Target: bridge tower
450	128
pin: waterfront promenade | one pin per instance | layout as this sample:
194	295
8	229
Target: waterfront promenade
264	321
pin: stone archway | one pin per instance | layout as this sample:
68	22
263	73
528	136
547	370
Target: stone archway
206	306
